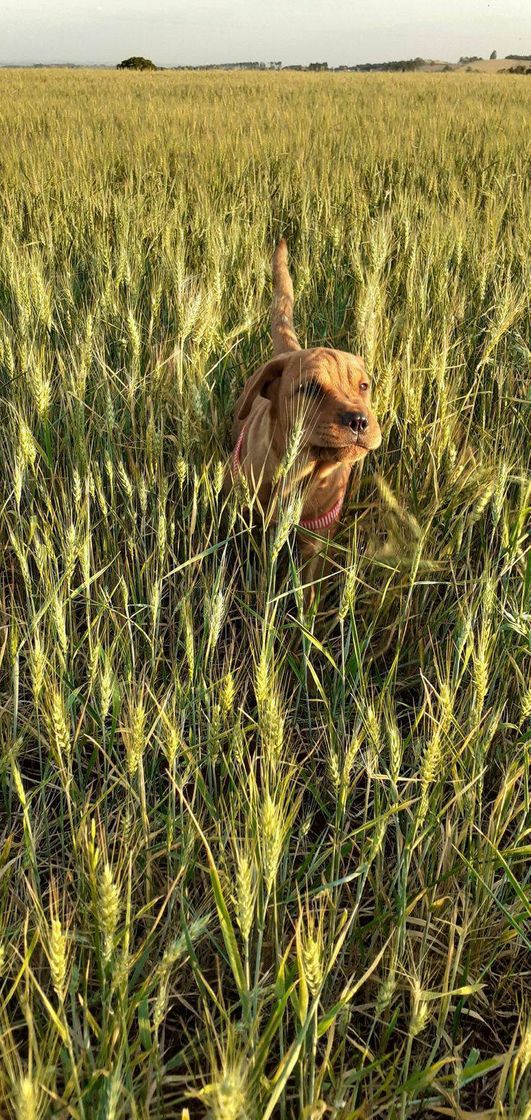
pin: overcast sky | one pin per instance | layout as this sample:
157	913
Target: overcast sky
173	32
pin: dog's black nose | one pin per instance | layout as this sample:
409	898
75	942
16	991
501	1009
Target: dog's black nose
356	421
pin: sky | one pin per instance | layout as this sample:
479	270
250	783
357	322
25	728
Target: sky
341	32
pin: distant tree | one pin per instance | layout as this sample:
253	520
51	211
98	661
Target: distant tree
136	63
494	54
400	64
318	66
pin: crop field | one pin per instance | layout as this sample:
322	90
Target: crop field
255	861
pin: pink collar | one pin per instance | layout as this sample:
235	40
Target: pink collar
314	524
236	454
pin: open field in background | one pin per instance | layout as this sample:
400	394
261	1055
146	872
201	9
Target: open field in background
494	65
252	863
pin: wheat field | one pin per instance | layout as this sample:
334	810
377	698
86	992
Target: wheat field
255	862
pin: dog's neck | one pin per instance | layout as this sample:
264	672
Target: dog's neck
321	480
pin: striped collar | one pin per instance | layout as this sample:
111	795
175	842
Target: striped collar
314	524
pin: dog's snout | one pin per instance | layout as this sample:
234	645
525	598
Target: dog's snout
356	421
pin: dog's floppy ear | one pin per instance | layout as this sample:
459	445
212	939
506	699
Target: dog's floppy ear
257	384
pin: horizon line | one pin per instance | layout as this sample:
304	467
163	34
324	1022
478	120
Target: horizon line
268	65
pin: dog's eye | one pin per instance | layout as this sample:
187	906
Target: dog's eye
311	389
364	386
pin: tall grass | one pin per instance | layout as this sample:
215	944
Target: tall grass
255	862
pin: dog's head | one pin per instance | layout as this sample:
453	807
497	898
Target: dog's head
328	391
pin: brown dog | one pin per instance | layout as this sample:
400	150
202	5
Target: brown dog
324	396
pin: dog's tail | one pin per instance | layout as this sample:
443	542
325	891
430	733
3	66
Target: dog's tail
284	337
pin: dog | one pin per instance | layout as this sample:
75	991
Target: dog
322	394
